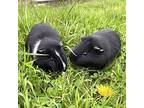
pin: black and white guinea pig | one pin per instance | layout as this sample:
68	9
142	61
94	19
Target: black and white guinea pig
45	46
97	50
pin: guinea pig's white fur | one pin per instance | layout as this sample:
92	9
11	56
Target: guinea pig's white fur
97	50
45	46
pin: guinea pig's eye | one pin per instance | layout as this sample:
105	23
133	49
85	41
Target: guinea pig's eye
85	53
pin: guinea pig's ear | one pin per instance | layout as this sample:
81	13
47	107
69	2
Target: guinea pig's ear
98	49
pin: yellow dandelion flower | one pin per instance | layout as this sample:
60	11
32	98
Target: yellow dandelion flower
104	90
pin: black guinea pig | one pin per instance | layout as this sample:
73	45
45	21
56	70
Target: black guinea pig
45	46
97	50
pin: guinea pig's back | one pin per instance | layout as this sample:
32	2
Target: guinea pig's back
113	39
39	32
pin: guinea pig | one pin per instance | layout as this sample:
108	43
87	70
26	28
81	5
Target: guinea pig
44	44
97	50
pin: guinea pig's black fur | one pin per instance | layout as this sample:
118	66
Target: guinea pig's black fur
45	41
97	50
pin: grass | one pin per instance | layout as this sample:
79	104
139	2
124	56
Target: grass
75	89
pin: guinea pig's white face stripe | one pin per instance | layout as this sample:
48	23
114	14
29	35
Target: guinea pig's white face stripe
36	47
64	65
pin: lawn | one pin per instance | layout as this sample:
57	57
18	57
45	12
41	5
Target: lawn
76	88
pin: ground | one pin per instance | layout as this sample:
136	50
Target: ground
76	88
